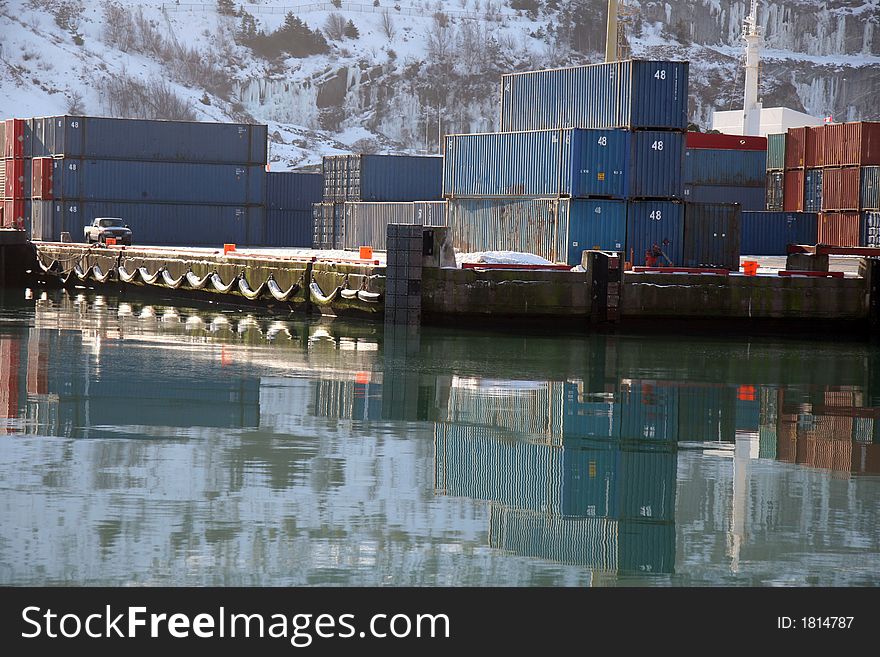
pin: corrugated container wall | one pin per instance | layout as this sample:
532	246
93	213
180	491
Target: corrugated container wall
655	222
712	235
775	198
852	144
18	178
726	142
649	413
870	192
2	175
871	228
525	225
750	198
770	233
329	223
657	163
293	190
814	148
795	148
813	190
382	178
14	138
627	94
137	139
647	485
793	191
165	224
738	168
776	152
159	182
840	229
43	221
366	224
594	224
840	189
289	228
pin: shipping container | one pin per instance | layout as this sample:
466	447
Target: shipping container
750	198
737	168
814	147
293	190
631	94
748	415
712	235
41	178
770	233
650	223
795	148
329	224
535	226
707	414
164	224
813	190
649	413
840	189
90	137
366	224
775	197
727	142
870	192
43	221
17	178
840	229
589	481
576	163
871	228
793	190
382	178
2	141
14	213
14	138
289	228
646	484
852	144
776	152
594	224
589	418
2	176
159	182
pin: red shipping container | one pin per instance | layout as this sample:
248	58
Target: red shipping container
866	459
840	189
13	146
840	228
14	179
795	148
13	213
852	144
41	178
726	142
814	149
793	191
9	364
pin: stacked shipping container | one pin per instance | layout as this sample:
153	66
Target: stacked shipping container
371	178
725	169
832	169
589	157
178	183
290	198
14	175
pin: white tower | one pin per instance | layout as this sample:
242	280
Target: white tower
611	33
751	106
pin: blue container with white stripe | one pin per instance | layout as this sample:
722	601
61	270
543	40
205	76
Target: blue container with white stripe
290	190
813	190
631	94
594	224
655	222
716	166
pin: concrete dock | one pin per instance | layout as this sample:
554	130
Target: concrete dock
417	281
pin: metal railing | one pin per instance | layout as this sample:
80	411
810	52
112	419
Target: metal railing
309	7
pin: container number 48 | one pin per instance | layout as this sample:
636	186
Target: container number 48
603	141
657	145
656	215
660	75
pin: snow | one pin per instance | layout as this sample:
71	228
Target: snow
500	258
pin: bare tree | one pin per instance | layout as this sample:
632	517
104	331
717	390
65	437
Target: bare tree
334	28
388	25
75	104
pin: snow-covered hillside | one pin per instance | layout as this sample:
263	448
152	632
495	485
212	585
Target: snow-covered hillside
394	75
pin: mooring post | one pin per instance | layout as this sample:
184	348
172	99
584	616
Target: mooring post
403	274
605	273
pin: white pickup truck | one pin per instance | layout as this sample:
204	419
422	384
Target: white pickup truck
104	227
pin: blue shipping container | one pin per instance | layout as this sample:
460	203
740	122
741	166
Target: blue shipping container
871	228
770	233
750	198
655	222
594	224
813	190
165	224
159	182
290	190
712	235
736	168
646	484
870	192
628	94
775	197
138	139
382	178
589	478
289	228
366	224
576	163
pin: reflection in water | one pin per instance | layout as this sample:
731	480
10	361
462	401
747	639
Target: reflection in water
151	443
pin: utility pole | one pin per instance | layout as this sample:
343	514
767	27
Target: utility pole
611	33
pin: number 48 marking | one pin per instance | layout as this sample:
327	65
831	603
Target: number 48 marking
660	75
